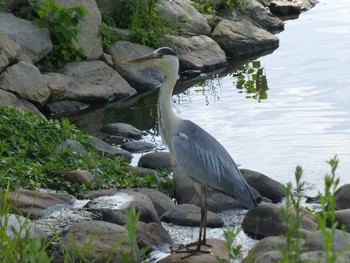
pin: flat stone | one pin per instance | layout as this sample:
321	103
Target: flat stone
190	215
138	146
156	160
122	129
63	107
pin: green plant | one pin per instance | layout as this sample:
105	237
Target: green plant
109	35
63	26
210	7
326	217
2	5
292	216
17	245
234	251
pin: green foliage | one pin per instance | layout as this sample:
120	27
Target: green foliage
2	5
210	7
326	217
63	26
29	158
109	35
293	198
252	79
234	251
17	245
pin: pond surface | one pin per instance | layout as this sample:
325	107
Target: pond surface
305	119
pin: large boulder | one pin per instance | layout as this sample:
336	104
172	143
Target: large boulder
342	197
35	42
241	38
182	12
88	81
25	80
89	38
143	77
8	51
198	52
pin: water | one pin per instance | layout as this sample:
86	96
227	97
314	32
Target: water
305	119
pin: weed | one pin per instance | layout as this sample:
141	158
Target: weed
234	251
109	35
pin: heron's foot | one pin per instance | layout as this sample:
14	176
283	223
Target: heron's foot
192	249
203	243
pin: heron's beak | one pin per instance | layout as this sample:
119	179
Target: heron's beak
146	58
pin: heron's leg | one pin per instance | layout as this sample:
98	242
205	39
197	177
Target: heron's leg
200	240
204	239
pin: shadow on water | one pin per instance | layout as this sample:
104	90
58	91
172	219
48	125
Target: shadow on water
141	110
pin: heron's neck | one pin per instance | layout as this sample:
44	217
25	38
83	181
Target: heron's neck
168	121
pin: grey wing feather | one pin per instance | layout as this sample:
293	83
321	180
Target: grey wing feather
205	160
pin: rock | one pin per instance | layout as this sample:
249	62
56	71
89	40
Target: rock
217	201
38	205
79	176
143	77
35	42
216	250
72	145
273	256
18	225
256	13
11	4
104	148
284	8
112	216
314	256
161	202
25	80
89	38
125	199
267	244
88	81
197	52
65	106
190	215
258	222
152	234
266	186
343	218
122	129
314	241
192	22
242	38
8	51
95	239
342	197
156	160
9	99
138	147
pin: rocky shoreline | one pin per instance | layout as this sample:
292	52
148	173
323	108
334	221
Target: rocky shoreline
103	77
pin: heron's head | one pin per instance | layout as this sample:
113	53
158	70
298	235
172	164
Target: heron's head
163	57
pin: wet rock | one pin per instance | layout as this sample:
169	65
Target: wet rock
266	186
314	241
88	38
138	146
190	215
88	81
197	52
79	176
142	77
35	42
256	13
258	222
265	245
65	106
242	38
112	216
216	250
72	145
8	51
99	237
38	205
104	148
156	160
161	202
217	201
17	224
122	129
284	8
97	193
152	234
125	199
25	80
343	218
192	22
342	197
141	172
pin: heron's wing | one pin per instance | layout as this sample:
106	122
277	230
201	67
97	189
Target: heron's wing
205	160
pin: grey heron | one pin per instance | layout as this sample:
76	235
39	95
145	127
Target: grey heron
193	151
